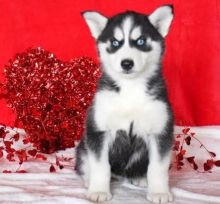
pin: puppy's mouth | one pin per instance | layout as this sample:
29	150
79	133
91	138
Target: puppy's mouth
127	71
129	74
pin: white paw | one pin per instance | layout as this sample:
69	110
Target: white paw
141	182
160	197
99	196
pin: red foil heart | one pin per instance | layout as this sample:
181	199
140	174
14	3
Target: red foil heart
50	97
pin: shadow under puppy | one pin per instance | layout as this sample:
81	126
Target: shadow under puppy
129	126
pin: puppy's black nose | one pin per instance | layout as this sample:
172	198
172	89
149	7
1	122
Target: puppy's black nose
127	64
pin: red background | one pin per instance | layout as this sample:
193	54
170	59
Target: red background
192	58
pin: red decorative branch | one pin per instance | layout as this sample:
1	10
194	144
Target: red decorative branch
185	138
8	150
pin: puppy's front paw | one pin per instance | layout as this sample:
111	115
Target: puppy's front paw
99	196
160	197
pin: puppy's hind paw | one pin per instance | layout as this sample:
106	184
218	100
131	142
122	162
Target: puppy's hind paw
141	182
99	196
160	197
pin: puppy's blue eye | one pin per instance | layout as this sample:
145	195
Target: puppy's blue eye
140	42
115	43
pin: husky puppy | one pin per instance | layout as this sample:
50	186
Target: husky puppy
129	126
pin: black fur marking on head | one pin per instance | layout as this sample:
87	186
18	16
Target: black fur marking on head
141	20
106	82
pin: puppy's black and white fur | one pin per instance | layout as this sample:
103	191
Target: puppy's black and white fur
129	127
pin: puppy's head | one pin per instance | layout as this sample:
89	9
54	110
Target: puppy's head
130	43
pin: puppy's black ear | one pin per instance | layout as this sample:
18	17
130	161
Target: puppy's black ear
161	19
95	21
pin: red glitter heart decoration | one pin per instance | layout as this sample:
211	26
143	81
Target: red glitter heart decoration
50	97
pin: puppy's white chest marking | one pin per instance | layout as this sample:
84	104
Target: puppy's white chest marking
115	111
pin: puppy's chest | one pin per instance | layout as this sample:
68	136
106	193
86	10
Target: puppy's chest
117	110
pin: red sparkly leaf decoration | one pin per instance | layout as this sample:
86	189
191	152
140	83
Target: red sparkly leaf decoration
206	167
192	134
68	158
195	166
181	163
8	144
32	152
57	161
179	157
41	156
187	140
10	150
210	162
22	156
212	153
10	157
178	136
190	159
185	130
26	140
52	168
7	172
21	171
16	137
1	153
183	151
2	132
176	145
179	167
217	163
61	166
